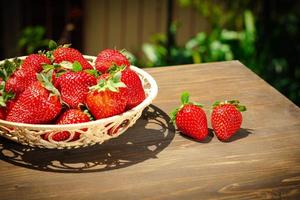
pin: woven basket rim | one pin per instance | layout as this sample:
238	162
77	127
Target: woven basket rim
146	102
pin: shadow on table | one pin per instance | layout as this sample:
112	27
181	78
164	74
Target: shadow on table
242	133
150	135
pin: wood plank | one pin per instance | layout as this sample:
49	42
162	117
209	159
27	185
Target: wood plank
93	26
115	24
151	161
132	25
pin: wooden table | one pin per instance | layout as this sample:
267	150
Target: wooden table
152	161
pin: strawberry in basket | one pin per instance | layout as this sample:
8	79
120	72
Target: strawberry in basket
71	116
36	105
21	78
74	84
108	58
106	99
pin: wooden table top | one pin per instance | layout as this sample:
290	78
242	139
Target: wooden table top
153	161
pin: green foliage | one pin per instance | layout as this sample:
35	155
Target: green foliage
268	45
33	39
219	45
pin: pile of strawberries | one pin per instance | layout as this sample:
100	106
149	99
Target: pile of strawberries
190	118
60	86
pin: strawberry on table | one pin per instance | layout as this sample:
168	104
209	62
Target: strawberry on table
226	118
108	58
71	55
105	99
71	116
190	119
74	87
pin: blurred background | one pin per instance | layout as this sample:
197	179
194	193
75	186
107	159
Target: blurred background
264	35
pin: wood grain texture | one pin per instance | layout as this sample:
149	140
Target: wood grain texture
152	161
130	23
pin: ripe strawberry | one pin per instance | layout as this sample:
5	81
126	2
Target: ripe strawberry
71	116
74	87
20	80
190	119
135	90
105	99
226	118
35	62
108	58
35	106
10	104
2	113
69	54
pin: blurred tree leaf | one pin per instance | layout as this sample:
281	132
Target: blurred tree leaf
33	39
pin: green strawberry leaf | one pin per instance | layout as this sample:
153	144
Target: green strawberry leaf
66	64
118	84
52	45
185	98
93	72
46	80
216	103
66	45
47	67
87	112
115	69
197	104
173	114
117	77
233	102
9	67
76	67
241	108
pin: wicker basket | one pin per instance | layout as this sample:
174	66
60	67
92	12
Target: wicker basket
94	132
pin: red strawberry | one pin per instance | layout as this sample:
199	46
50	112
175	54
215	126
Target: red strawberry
71	116
190	119
35	106
34	62
2	112
20	80
10	104
108	58
74	87
71	55
105	99
135	90
226	118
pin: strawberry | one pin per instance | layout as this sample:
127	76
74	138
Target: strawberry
226	118
71	55
108	58
34	62
105	99
190	119
135	90
26	75
20	80
74	87
71	116
2	113
35	105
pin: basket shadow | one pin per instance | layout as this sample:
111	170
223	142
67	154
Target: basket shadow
150	135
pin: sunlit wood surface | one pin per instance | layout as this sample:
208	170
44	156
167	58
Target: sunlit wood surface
153	161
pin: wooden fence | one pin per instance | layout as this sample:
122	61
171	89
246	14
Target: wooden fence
130	23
